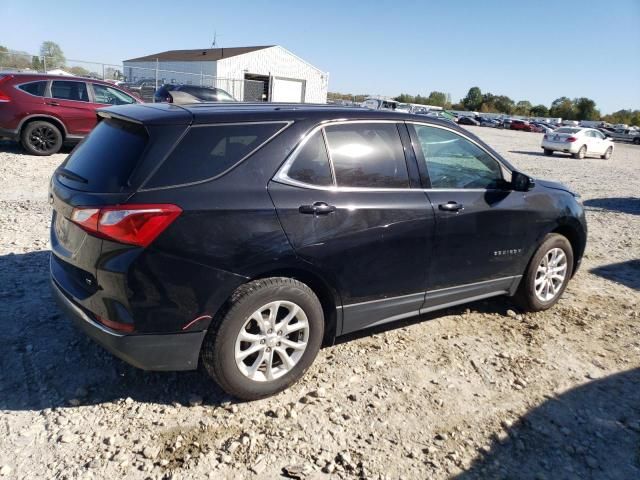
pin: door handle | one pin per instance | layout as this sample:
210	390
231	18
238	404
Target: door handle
318	208
451	207
54	104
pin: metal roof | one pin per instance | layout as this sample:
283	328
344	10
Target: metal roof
207	54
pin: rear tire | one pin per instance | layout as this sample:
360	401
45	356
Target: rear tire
41	138
255	319
580	153
607	153
636	141
548	152
547	274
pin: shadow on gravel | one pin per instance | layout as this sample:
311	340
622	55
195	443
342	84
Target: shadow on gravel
14	147
630	205
592	431
627	273
45	361
540	154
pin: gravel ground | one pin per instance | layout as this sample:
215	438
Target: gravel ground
479	391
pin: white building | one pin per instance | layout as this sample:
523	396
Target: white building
265	73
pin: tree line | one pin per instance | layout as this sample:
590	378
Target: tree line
51	57
564	107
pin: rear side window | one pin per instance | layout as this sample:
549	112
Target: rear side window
34	88
311	164
367	155
67	90
206	152
106	158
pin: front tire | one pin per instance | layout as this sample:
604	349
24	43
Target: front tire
265	338
547	274
548	152
607	153
41	138
581	153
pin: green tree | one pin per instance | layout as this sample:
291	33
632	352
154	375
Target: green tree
504	104
564	108
473	100
80	71
36	64
586	109
539	111
523	107
437	99
53	53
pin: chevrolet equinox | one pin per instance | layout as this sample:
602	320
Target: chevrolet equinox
243	237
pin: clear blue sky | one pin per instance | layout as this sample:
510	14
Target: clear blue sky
536	50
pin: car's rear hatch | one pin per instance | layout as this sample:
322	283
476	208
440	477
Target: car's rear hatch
105	169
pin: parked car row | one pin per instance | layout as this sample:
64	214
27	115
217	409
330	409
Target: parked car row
44	112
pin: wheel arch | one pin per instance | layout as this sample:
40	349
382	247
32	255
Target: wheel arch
572	232
45	118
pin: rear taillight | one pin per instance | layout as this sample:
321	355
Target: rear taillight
546	137
3	96
131	224
571	139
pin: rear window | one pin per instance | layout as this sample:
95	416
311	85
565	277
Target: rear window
567	130
34	88
206	152
106	158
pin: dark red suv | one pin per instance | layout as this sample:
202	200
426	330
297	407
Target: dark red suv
520	125
45	111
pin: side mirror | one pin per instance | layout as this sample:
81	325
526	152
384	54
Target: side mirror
521	182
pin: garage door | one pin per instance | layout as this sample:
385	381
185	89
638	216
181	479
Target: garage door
287	90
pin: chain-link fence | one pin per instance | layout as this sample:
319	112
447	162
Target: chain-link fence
142	80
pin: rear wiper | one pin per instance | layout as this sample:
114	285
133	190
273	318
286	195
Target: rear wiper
71	175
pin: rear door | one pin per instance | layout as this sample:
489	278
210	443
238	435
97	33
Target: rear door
346	200
484	230
70	101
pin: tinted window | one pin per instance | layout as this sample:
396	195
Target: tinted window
206	152
34	88
107	157
311	164
367	155
455	162
69	90
567	130
110	95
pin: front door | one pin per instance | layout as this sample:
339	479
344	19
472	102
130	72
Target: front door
346	204
484	230
70	101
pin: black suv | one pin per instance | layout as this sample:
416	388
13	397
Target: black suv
244	236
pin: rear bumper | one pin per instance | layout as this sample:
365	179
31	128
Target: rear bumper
568	147
165	352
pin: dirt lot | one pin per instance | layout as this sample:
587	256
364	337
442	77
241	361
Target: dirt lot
480	391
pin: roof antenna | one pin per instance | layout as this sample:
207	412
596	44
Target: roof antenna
215	35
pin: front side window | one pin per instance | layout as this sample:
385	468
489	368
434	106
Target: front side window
110	96
208	151
311	163
34	88
455	162
367	155
67	90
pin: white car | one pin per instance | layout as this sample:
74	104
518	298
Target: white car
579	142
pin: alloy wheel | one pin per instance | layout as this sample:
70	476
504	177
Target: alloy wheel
551	274
42	138
272	341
